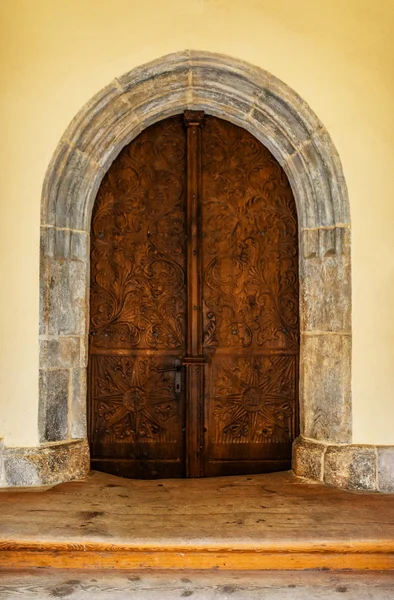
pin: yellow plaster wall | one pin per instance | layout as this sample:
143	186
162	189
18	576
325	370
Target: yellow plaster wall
338	55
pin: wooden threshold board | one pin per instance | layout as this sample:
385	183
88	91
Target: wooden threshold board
61	555
272	521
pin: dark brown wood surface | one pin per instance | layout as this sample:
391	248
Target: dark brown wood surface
194	329
250	289
138	308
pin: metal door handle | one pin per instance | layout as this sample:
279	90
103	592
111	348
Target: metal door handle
178	375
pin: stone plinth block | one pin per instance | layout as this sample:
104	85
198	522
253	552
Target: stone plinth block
308	459
325	379
350	467
46	465
386	469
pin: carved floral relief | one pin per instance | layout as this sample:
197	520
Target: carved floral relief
138	245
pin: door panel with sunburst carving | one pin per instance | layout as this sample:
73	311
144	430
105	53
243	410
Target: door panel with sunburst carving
138	308
194	326
250	304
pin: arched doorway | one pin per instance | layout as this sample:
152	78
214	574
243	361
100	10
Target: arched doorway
194	318
276	115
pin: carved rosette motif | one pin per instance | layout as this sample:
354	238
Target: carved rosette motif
253	399
133	400
250	271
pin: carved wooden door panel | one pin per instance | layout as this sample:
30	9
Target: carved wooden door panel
194	330
137	308
250	304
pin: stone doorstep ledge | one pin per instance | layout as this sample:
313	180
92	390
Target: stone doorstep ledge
346	466
44	466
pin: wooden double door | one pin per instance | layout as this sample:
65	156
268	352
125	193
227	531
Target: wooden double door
194	327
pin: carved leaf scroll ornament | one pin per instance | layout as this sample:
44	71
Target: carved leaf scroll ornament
138	245
250	243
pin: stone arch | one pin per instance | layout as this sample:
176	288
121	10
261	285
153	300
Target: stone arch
257	101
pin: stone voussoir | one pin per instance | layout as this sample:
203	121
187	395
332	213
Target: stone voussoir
80	179
276	140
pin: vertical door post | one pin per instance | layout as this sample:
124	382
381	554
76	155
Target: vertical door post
194	360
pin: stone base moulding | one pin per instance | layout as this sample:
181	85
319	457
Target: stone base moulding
346	466
45	465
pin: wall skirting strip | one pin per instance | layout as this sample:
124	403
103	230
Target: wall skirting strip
45	465
346	466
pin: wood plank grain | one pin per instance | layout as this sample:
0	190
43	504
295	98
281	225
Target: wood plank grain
258	522
176	559
46	584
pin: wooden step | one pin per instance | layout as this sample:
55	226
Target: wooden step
252	557
272	521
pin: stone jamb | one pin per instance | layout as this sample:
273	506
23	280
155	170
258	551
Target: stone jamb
272	112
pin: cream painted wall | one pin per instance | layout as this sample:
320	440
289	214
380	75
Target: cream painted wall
337	54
